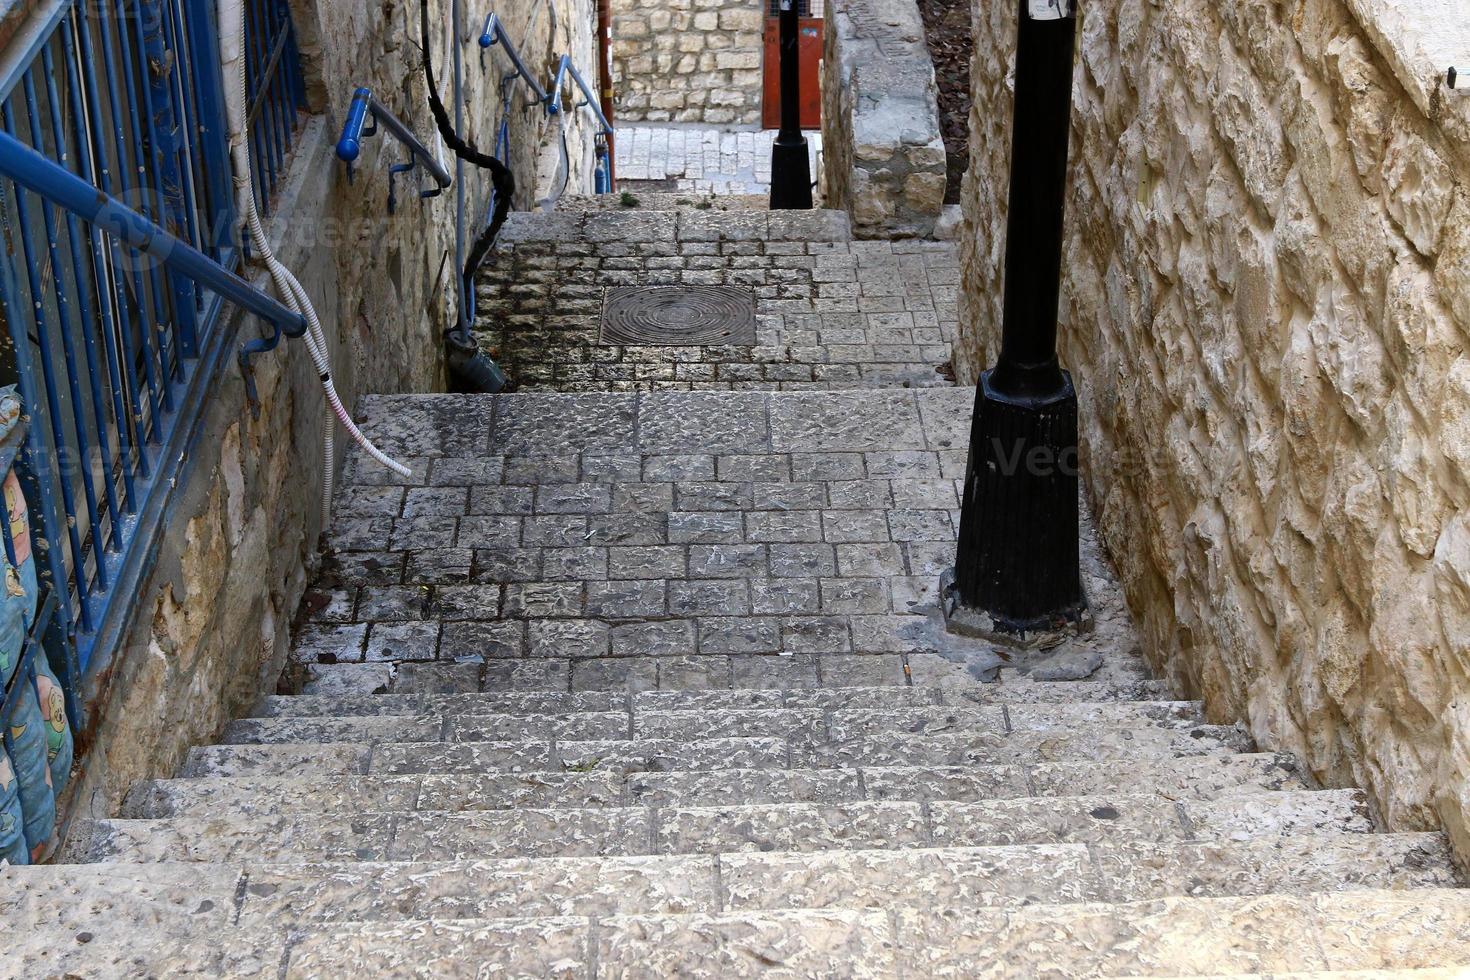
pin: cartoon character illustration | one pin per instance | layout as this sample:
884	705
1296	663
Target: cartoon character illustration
20	523
53	709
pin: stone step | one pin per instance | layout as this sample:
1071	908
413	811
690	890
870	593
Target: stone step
179	895
1331	933
1102	721
1145	747
833	698
955	877
682	225
526	832
744	674
665	201
319	792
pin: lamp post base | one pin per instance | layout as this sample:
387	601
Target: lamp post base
1016	568
1040	633
791	175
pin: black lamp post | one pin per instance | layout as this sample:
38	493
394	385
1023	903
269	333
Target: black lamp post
791	167
1016	570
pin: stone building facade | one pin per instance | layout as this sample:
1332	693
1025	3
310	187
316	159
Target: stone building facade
1267	308
243	526
688	61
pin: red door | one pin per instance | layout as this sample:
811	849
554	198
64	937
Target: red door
810	46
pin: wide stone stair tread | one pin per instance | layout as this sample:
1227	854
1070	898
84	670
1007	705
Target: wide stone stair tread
1311	933
664	201
562	702
691	724
1146	746
181	895
530	832
675	224
311	791
959	877
504	677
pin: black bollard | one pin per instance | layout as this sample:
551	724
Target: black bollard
1016	569
791	166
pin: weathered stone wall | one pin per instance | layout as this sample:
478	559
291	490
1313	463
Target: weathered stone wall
884	156
696	61
210	626
1267	305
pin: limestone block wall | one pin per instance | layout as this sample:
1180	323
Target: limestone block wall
884	156
694	61
210	625
1267	308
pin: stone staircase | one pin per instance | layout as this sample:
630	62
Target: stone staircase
653	683
831	312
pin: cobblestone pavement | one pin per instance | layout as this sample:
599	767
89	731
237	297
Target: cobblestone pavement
702	161
831	312
706	540
653	683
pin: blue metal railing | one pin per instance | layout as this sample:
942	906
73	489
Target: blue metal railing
117	227
274	91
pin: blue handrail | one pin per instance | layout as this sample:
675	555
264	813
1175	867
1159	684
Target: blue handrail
494	33
59	186
553	104
350	145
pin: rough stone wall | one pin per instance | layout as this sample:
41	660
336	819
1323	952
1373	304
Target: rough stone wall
1267	303
881	142
695	61
210	627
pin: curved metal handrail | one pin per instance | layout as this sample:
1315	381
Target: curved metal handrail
553	104
495	33
355	129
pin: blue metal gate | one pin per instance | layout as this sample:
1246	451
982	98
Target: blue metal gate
111	348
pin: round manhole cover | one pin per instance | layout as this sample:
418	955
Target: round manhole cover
680	316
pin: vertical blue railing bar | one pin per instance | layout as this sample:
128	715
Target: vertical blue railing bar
93	309
85	313
129	303
97	171
173	181
210	140
144	135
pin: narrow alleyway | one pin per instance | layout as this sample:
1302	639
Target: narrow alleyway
643	674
